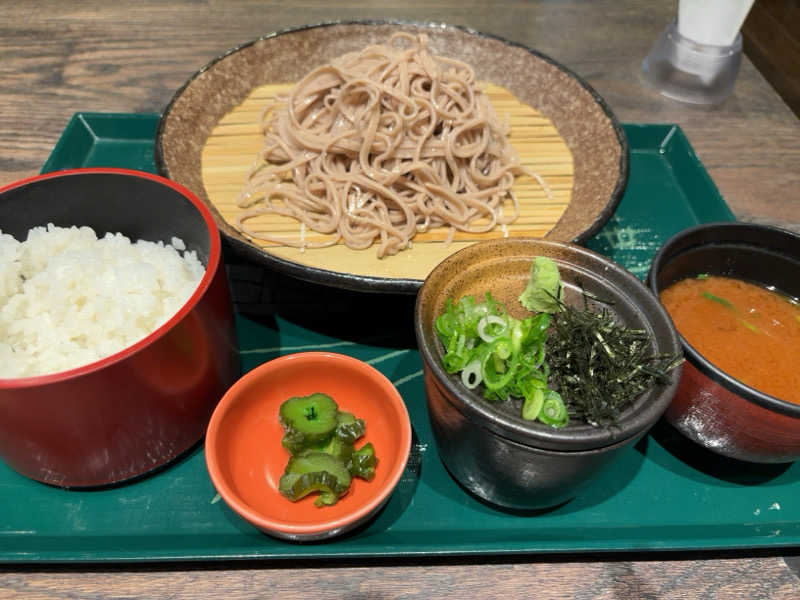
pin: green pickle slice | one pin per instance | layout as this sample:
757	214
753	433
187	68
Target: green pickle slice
321	440
362	462
348	428
336	447
314	471
308	421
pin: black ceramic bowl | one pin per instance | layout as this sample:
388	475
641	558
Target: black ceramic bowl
130	413
710	407
489	448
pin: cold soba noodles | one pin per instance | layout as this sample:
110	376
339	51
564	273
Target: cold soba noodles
750	332
381	144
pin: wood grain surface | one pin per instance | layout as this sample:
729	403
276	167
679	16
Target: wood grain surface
548	579
62	57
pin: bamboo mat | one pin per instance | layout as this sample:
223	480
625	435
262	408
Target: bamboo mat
235	142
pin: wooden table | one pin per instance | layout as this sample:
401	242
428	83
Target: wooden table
62	57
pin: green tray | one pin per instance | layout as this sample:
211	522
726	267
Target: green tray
664	494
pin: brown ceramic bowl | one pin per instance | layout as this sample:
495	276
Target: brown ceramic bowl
711	407
586	123
134	411
489	448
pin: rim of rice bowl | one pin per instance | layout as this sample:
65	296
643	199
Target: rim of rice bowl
214	259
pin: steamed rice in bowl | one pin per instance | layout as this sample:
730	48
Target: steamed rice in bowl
69	298
147	404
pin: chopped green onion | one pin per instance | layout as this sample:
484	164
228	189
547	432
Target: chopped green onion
502	348
532	405
554	411
496	373
487	346
728	304
718	299
471	374
750	326
492	327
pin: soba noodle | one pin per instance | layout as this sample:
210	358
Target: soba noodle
381	144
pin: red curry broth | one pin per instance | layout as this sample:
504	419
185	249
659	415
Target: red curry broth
751	333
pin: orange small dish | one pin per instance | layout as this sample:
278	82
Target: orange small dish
245	457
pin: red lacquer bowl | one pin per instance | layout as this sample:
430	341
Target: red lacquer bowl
137	410
711	407
246	459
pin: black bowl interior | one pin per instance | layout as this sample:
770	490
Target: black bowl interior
138	207
761	254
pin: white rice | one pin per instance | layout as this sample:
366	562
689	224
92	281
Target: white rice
68	298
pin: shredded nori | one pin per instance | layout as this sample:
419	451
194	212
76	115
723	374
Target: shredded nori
598	365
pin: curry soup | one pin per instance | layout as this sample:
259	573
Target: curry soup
750	332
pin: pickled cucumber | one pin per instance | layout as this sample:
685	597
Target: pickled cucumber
362	462
308	421
314	471
321	440
349	428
